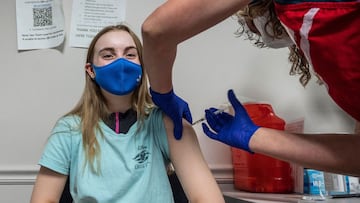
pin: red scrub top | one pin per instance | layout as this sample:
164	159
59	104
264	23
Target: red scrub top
328	33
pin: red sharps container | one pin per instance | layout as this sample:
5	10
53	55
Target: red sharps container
260	173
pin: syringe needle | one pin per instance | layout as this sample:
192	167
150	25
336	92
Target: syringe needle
216	112
198	121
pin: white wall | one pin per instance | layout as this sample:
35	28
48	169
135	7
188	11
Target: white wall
39	86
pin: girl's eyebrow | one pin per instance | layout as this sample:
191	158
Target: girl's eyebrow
129	47
107	49
113	50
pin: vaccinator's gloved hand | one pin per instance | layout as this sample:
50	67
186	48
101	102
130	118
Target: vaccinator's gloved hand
235	131
173	106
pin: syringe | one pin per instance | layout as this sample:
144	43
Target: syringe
222	108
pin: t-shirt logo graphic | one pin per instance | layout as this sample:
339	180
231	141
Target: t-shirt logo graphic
142	157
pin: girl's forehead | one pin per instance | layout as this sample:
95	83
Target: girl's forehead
115	39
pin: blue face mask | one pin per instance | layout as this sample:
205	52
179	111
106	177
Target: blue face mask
119	77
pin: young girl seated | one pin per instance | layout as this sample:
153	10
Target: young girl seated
115	144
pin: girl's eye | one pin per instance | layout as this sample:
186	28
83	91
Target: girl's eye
108	56
107	53
130	55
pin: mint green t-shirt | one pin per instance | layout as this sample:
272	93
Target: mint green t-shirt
133	165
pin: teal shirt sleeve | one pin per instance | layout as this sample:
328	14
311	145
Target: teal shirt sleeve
57	153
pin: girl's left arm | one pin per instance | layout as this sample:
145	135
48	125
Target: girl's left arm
190	166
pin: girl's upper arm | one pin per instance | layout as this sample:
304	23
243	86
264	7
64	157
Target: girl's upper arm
190	166
48	187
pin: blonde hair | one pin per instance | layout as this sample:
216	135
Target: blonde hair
92	107
300	66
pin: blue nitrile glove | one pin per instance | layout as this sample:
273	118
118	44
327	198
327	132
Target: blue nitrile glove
235	131
173	106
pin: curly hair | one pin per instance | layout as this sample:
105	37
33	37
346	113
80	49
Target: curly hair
300	66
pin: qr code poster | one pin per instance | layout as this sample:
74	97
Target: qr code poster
40	24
